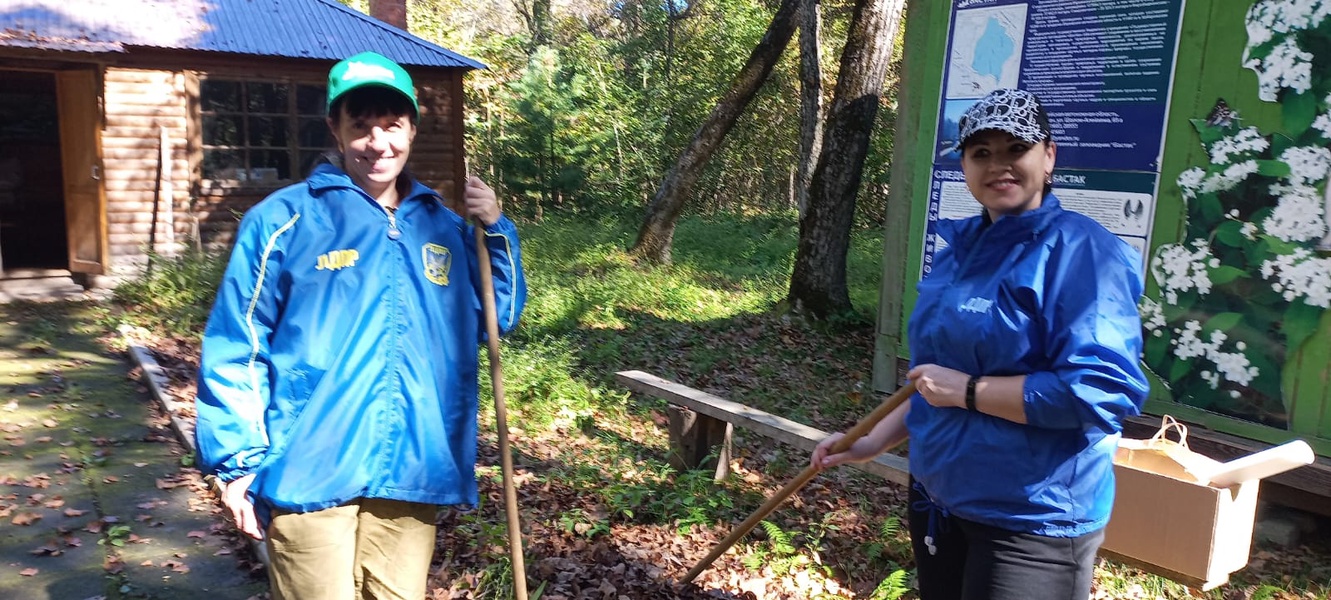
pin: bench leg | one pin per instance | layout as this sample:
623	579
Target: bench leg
694	438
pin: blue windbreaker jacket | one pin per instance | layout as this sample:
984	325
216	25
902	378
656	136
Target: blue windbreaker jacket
1052	295
340	358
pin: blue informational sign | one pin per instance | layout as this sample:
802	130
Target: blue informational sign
1102	68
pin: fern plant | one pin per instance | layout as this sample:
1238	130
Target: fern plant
893	587
778	552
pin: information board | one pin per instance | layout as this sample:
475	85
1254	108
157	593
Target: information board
1102	68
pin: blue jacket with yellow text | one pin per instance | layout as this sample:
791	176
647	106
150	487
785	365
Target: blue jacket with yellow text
340	358
1052	295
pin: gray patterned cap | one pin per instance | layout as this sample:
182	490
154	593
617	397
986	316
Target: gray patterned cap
1017	112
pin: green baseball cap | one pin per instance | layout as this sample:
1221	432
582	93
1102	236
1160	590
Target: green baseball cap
369	68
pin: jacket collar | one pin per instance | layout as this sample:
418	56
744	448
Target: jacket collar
1028	224
327	176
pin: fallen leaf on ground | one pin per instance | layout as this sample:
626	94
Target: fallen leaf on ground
26	518
29	572
47	550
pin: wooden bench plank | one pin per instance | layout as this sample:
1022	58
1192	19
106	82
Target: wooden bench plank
888	466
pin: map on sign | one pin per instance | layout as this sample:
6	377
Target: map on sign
986	50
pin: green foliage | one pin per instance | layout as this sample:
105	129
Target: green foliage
174	294
891	543
116	535
686	499
777	552
578	521
593	121
894	586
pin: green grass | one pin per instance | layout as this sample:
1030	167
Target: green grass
174	294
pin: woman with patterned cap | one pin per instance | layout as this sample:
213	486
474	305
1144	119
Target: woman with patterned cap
1024	345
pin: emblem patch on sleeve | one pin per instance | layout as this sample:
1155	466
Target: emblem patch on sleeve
438	260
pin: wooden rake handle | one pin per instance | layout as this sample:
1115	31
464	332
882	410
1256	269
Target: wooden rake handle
858	431
501	416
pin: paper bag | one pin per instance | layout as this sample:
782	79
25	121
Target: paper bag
1167	457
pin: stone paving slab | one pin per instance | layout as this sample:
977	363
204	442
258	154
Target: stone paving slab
83	447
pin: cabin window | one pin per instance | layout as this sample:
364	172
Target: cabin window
261	132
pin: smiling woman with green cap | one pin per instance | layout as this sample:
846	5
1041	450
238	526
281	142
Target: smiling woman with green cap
338	386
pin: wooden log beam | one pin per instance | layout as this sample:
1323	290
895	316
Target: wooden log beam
888	466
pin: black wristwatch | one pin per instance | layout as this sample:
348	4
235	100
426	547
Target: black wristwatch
970	392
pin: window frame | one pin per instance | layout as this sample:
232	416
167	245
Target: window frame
293	148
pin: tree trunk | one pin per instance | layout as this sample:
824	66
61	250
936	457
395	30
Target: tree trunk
658	227
537	19
818	283
811	102
393	12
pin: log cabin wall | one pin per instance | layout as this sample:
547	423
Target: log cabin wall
177	206
144	109
436	160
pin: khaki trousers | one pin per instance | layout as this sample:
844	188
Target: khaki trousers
368	549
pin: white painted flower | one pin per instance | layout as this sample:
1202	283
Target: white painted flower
1300	275
1259	23
1230	177
1190	180
1287	67
1153	317
1187	345
1178	268
1246	141
1323	124
1235	366
1297	216
1228	366
1249	230
1307	164
1269	18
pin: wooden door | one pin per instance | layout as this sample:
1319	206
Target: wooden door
81	152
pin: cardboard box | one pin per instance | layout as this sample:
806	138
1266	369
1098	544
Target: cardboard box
1170	525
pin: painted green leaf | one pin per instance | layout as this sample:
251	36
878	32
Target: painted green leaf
1209	134
1298	111
1272	168
1224	274
1179	369
1155	350
1174	311
1223	321
1230	233
1209	207
1279	144
1300	322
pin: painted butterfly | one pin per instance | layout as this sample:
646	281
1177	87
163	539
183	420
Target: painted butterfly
1221	114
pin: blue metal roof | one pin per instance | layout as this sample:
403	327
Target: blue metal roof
317	29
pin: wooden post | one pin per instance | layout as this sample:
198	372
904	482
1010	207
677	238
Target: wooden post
695	437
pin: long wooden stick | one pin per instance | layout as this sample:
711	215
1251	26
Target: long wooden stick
501	417
858	431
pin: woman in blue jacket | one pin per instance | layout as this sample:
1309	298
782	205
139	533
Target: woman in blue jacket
338	386
1025	345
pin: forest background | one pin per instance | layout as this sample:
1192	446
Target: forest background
655	110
